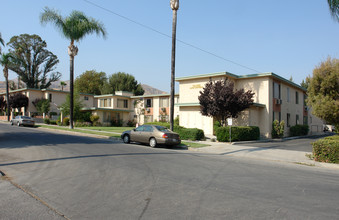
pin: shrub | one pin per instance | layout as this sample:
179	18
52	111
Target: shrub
189	133
164	124
53	122
131	123
327	150
47	121
299	130
238	133
65	122
94	119
82	124
176	121
116	123
278	129
216	125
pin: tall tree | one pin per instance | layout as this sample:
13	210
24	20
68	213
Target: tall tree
33	63
3	103
42	105
323	91
90	82
220	100
74	27
1	42
121	81
334	8
305	83
65	107
4	61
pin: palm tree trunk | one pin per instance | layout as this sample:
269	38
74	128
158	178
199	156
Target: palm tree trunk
71	92
7	94
174	30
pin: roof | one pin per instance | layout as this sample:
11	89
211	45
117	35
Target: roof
231	75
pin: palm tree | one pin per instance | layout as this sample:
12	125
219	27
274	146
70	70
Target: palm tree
175	6
4	61
74	27
1	42
334	8
62	83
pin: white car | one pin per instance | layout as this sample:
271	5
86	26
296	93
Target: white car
23	120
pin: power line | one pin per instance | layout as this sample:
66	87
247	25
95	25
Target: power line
166	35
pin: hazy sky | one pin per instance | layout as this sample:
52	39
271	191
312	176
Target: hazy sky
287	37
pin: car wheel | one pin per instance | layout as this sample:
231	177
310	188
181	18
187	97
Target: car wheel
152	142
126	139
18	123
12	123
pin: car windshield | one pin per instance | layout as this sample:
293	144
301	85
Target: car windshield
163	129
25	117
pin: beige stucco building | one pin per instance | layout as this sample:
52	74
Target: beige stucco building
274	98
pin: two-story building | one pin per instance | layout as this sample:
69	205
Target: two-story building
274	98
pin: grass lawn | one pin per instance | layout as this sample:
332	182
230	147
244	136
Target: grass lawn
109	129
79	130
194	145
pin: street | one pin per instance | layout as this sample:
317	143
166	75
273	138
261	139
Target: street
77	177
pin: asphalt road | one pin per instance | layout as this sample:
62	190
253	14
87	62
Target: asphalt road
88	178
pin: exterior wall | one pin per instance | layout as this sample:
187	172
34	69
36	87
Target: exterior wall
190	117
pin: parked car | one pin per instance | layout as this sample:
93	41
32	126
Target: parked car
23	120
152	135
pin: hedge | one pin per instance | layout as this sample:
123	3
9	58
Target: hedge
184	133
327	149
299	130
238	133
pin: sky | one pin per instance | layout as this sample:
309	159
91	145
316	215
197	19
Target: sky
289	38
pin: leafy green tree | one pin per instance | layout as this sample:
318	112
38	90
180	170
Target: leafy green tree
90	82
74	27
65	107
33	63
323	91
121	81
305	83
220	100
42	105
62	84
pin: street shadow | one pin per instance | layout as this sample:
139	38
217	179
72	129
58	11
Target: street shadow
252	149
85	157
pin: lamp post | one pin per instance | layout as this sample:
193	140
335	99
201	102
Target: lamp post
175	7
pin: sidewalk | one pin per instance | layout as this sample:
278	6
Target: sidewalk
261	153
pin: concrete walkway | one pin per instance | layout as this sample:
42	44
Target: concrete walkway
262	153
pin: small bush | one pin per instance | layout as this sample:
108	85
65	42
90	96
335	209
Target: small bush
189	133
94	119
116	123
278	129
327	150
65	122
164	124
82	124
216	125
238	133
53	122
131	123
299	130
47	121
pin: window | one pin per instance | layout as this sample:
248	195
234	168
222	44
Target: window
164	102
122	103
296	98
288	94
86	98
288	120
276	90
105	102
148	103
277	116
50	97
297	119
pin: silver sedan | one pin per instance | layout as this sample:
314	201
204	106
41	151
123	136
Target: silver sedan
23	120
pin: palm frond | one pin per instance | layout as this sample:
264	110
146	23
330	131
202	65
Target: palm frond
334	8
53	16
